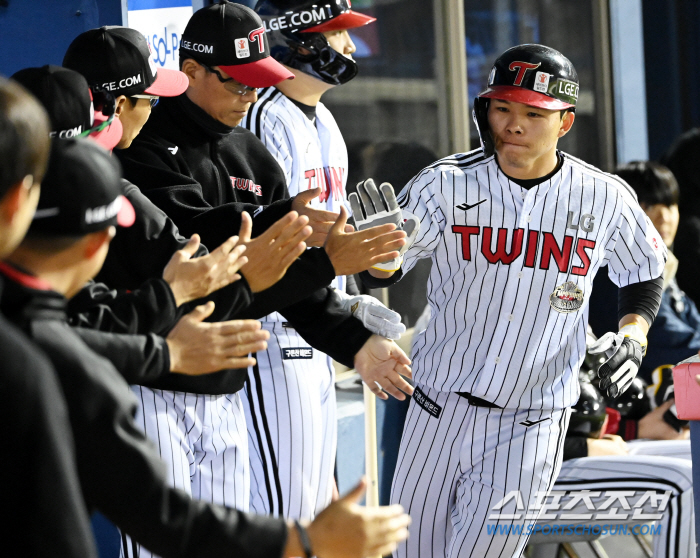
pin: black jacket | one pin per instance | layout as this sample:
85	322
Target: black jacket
119	470
45	512
203	175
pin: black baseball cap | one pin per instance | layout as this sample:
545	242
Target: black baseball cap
81	192
232	37
72	107
118	60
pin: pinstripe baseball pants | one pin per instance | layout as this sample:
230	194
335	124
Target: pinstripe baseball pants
457	461
204	441
292	432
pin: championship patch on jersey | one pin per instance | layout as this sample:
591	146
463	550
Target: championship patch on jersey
566	298
428	404
297	353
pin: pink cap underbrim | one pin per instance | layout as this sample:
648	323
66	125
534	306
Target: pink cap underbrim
126	215
263	73
524	96
168	83
110	136
346	20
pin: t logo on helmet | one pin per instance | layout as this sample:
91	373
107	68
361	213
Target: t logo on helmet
522	67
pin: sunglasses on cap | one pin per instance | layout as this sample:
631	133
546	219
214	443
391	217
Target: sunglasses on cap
235	87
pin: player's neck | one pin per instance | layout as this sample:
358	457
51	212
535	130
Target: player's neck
63	274
529	170
303	88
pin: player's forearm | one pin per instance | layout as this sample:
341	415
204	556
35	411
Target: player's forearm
379	274
635	319
639	303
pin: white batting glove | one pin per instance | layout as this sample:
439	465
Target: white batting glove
375	207
374	315
624	350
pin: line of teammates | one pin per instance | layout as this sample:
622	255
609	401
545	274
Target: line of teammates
180	265
106	271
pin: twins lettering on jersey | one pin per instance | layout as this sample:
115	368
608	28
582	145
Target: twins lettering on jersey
246	184
330	180
528	244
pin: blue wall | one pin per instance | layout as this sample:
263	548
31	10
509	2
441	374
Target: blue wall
39	32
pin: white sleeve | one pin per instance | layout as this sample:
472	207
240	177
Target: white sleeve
277	138
422	197
637	252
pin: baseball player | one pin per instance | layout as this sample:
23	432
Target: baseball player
516	231
290	392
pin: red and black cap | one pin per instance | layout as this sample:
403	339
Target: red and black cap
74	110
81	192
534	75
310	16
232	37
340	16
118	59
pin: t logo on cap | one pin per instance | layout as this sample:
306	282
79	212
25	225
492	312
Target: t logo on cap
257	35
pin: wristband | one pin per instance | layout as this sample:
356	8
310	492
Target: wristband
304	539
634	331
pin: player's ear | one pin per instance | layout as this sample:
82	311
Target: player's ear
192	70
120	105
566	122
95	241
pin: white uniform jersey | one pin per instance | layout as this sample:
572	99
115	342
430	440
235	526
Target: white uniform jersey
290	394
512	274
311	154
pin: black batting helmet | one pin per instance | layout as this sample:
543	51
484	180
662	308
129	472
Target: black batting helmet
588	415
634	402
295	32
534	75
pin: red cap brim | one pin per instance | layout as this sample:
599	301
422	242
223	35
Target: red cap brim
263	73
524	96
168	83
110	136
346	20
126	215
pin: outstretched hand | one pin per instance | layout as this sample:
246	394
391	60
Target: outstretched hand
198	347
192	278
270	254
347	530
320	220
352	252
381	364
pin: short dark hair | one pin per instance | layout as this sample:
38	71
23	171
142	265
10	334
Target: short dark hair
24	136
47	244
653	183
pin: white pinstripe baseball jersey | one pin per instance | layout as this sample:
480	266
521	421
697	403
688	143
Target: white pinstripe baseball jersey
311	154
290	394
512	274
